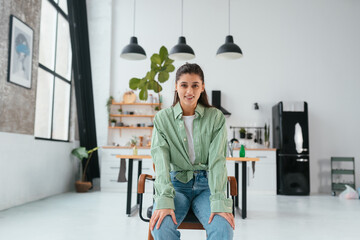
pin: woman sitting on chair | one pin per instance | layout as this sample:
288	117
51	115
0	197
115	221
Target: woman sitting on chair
189	151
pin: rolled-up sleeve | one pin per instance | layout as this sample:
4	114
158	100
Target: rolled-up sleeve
217	167
160	152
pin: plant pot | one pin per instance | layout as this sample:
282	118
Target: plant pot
135	150
267	144
82	187
242	135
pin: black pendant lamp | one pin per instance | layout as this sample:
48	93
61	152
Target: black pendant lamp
182	51
229	50
133	51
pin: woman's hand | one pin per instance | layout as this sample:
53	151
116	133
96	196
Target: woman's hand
228	216
159	215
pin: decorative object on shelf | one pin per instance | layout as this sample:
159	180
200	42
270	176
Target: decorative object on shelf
112	122
133	51
182	51
242	133
249	135
141	139
266	135
129	97
229	50
120	110
161	66
108	105
82	185
133	143
20	53
242	151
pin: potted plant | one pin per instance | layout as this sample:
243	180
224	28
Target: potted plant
133	143
242	133
120	111
267	135
160	67
113	122
82	185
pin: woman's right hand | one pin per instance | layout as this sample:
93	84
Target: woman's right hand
159	215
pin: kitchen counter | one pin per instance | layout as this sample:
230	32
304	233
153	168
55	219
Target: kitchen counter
235	149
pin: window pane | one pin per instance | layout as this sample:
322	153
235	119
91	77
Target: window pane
47	35
63	51
43	111
61	110
63	5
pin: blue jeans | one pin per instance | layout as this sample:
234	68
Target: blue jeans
194	194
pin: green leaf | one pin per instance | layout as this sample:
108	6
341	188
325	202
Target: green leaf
155	58
157	87
80	153
142	83
151	75
143	95
134	83
151	84
163	77
170	68
168	61
163	53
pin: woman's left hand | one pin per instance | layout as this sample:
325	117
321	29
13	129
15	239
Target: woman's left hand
228	216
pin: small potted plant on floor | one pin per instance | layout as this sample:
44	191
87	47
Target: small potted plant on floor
82	185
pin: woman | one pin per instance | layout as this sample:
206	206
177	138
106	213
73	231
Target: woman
189	150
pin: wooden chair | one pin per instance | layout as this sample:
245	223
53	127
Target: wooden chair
190	221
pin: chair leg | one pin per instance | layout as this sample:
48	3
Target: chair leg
150	237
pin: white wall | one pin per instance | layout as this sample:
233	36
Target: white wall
34	169
293	51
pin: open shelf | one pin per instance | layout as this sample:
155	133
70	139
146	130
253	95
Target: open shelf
130	127
130	115
136	103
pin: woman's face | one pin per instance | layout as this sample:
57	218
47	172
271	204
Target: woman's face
189	88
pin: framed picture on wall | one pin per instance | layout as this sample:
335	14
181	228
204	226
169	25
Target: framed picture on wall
20	53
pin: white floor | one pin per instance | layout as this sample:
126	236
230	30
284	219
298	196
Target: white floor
100	215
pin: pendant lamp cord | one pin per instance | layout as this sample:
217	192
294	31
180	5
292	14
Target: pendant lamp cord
134	17
229	17
182	16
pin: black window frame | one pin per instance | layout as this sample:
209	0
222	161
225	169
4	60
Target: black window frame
56	75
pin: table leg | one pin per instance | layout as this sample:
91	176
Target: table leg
129	186
139	173
237	185
243	201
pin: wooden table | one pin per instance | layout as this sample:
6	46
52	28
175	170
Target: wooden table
132	209
237	160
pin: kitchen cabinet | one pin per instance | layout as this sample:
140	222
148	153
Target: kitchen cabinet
263	179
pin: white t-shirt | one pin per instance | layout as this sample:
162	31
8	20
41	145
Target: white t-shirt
188	121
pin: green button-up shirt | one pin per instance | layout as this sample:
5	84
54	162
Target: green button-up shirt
169	151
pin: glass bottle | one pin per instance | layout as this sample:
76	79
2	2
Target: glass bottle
242	151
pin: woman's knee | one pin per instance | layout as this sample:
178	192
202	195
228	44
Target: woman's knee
167	229
220	228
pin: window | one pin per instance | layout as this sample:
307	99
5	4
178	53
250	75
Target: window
52	116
